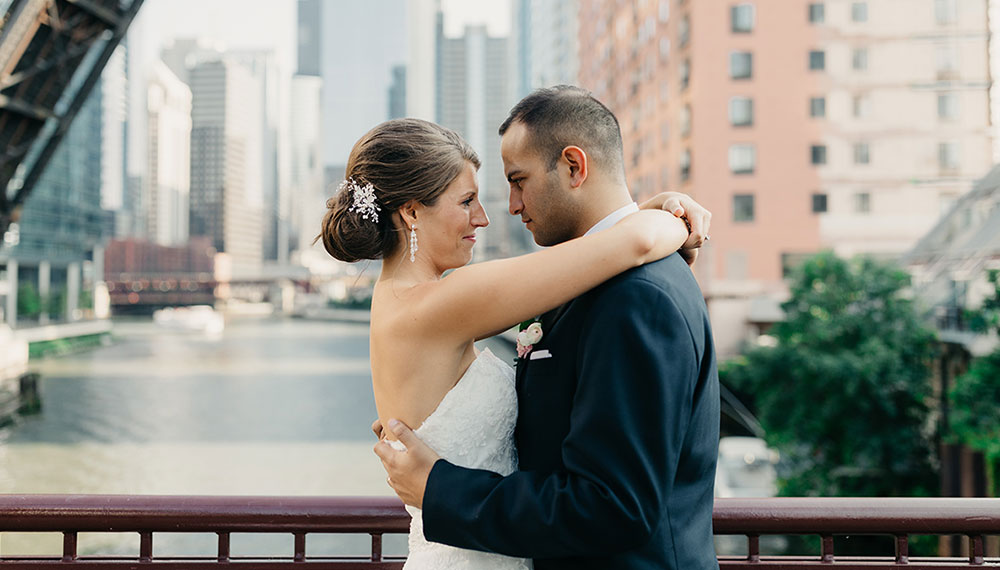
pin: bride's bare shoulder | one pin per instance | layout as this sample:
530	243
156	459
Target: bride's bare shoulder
405	310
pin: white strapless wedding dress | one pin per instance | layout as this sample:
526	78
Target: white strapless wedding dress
473	426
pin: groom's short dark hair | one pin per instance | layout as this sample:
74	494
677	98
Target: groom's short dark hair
566	115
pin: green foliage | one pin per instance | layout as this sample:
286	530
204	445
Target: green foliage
987	317
55	304
86	299
844	393
975	416
29	303
975	413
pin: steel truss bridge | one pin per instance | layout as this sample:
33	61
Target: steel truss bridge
52	53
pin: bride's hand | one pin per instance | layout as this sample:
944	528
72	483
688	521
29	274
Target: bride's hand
683	206
657	234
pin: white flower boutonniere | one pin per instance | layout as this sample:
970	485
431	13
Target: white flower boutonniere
531	333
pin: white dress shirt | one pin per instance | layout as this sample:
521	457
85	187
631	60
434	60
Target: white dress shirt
613	218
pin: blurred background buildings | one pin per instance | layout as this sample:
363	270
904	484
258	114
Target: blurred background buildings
803	125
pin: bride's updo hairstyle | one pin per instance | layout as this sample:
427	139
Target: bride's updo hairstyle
403	160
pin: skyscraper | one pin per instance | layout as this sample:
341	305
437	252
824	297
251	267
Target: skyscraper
168	174
473	99
309	37
423	32
397	93
553	42
268	154
305	195
63	223
224	130
356	68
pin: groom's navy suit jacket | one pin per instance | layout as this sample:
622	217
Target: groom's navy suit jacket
617	438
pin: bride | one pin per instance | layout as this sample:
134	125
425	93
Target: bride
411	199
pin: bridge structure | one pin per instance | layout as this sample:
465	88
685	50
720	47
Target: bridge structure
52	53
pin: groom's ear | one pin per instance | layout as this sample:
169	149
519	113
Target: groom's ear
576	162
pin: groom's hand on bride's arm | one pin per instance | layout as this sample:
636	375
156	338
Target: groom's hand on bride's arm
408	470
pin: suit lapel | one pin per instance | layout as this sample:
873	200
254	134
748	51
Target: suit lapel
549	319
548	322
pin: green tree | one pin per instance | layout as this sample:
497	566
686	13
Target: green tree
843	394
29	303
55	304
975	416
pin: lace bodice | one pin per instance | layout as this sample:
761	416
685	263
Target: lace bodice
473	426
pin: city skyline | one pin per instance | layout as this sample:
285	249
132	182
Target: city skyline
273	25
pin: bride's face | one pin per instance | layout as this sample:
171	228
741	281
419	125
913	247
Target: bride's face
446	232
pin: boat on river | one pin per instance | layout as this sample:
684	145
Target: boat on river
198	318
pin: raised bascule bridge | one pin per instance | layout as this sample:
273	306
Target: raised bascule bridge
52	53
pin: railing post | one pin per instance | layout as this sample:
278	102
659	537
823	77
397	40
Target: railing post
223	546
145	546
376	547
69	547
827	557
753	548
903	549
976	555
300	547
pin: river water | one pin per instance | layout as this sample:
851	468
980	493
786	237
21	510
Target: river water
269	407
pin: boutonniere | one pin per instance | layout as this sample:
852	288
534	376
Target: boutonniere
530	332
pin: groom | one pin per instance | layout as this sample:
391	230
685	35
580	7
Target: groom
618	424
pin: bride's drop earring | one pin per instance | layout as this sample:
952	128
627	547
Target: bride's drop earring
413	243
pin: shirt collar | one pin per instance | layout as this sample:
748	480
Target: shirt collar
613	218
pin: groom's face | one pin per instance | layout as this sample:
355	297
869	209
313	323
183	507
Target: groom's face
537	195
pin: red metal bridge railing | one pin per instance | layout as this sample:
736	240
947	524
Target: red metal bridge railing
375	516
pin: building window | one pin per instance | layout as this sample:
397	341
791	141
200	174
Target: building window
817	154
742	16
685	165
740	65
685	120
737	264
862	106
859	59
947	106
741	111
946	58
948	155
861	153
743	208
945	11
862	202
791	262
664	10
685	71
859	12
817	107
684	31
742	158
817	13
817	60
818	203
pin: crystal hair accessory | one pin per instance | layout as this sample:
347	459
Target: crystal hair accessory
364	199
